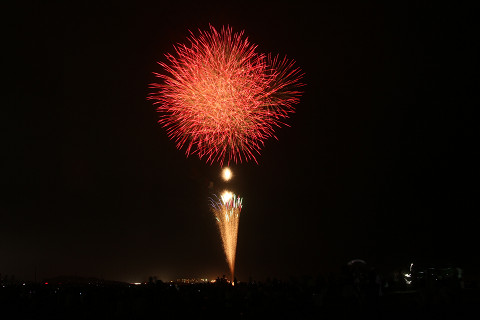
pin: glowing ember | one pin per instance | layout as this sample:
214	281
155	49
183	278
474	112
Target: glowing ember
221	99
227	174
227	212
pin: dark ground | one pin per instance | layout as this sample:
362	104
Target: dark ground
342	295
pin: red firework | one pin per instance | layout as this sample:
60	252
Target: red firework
221	99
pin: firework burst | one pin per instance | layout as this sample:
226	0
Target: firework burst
227	210
220	99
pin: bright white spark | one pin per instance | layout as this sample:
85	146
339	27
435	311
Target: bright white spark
226	196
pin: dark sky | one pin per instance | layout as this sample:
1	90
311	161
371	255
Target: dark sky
381	161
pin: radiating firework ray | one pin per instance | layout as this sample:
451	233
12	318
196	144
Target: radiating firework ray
221	99
227	210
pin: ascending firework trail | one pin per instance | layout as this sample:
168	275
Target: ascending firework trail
227	213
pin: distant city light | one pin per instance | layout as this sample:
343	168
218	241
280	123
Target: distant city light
407	278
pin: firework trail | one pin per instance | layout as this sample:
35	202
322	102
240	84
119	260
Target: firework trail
227	213
220	99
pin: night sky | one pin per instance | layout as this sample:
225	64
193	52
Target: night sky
380	162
